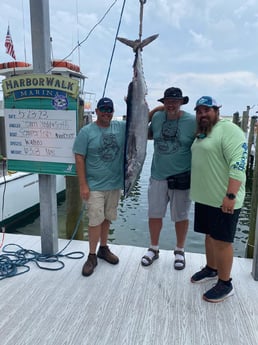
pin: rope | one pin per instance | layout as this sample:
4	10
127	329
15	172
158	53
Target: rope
113	50
88	35
141	18
16	258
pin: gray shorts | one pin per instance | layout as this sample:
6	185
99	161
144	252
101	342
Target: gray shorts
102	205
159	196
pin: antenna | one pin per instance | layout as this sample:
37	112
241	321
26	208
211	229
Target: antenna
78	40
24	41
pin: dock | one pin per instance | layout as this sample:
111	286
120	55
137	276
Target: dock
124	304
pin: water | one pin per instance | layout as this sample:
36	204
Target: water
131	226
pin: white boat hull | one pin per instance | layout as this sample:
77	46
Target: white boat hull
19	192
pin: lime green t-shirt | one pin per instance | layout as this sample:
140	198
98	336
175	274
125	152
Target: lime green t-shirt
216	158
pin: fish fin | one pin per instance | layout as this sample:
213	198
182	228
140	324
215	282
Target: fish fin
148	40
137	44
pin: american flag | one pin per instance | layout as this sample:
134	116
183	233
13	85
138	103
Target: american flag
9	44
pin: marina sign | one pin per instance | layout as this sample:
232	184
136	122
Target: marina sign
41	116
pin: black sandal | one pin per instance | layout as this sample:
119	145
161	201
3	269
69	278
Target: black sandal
150	259
179	261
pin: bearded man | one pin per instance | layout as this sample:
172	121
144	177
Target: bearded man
219	155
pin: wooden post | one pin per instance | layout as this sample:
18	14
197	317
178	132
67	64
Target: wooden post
253	213
236	118
250	158
73	199
245	119
73	208
255	259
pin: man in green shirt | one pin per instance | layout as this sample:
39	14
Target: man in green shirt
219	155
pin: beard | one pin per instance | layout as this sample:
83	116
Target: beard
205	125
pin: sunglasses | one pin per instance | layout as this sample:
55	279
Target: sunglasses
106	110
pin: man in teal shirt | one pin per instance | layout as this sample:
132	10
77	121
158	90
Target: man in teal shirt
173	132
219	155
99	154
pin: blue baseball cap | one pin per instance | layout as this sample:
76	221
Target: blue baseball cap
105	103
207	101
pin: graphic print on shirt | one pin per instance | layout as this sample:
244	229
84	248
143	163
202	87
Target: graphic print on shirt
242	164
109	148
169	142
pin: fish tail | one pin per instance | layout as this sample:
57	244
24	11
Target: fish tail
137	44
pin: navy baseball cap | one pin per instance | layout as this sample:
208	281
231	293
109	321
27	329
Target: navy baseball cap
207	101
105	103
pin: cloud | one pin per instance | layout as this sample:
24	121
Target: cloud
203	47
200	40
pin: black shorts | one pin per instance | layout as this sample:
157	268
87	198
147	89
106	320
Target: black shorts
212	221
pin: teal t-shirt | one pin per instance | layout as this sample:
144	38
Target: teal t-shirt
103	149
172	144
216	158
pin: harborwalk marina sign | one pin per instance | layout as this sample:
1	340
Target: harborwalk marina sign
41	119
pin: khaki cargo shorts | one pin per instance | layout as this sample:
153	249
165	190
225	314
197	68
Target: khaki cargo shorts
102	205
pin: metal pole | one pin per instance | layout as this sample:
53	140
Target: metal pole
41	53
255	258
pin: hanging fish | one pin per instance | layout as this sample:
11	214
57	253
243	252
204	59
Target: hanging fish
137	117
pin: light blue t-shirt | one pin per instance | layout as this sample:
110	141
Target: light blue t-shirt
103	149
172	144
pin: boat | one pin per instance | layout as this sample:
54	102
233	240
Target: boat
19	191
14	64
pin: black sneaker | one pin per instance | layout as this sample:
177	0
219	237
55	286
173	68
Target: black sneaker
205	274
219	292
105	254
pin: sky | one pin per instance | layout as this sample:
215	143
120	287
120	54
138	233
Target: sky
204	47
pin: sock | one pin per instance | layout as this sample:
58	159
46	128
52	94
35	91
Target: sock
211	269
179	257
150	254
226	282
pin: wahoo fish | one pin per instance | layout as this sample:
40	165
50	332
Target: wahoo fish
137	118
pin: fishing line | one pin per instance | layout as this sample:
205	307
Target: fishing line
85	39
113	50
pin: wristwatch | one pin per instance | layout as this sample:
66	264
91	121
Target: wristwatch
231	196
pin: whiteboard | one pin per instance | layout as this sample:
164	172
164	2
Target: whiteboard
40	135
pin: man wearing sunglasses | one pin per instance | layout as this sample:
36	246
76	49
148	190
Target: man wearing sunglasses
173	131
99	149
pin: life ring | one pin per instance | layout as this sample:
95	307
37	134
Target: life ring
14	64
66	64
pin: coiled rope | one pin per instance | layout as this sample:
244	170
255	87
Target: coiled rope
16	259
